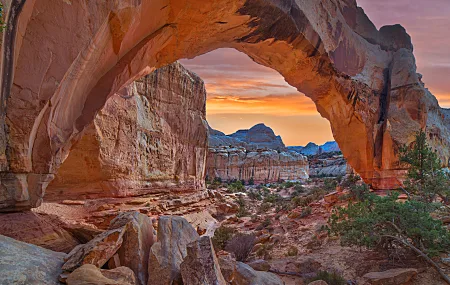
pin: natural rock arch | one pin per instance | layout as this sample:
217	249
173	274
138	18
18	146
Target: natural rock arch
69	57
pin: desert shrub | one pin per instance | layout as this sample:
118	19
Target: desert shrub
292	251
332	278
384	222
242	211
329	184
288	184
359	192
235	186
241	246
298	188
251	181
272	198
221	237
350	180
264	208
254	195
302	201
266	223
306	212
317	193
264	251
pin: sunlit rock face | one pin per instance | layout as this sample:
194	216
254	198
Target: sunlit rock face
69	57
150	137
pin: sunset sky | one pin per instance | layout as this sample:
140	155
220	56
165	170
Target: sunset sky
242	93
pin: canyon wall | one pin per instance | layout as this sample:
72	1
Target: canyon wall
151	136
254	153
264	166
62	60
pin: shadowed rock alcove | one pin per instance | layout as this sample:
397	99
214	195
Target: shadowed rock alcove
62	60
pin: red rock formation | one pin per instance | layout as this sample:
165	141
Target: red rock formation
69	57
150	137
264	166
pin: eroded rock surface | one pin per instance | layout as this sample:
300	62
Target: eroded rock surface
22	263
149	137
363	80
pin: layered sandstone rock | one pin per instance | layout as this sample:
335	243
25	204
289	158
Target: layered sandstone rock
150	137
69	57
264	166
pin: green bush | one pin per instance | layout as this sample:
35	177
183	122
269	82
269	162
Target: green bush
254	195
330	184
251	181
384	222
264	208
332	278
272	198
236	186
221	237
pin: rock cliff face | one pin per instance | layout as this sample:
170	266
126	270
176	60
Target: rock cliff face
362	80
255	153
264	166
152	136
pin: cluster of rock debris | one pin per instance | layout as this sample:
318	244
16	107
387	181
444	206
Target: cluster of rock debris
130	252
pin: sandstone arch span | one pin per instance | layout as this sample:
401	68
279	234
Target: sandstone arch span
70	56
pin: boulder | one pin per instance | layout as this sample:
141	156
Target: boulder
398	276
36	229
137	241
227	265
97	251
245	275
89	274
260	265
166	255
22	263
200	267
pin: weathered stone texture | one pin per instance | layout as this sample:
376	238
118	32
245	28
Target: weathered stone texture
149	137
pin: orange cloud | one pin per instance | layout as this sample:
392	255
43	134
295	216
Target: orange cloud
278	105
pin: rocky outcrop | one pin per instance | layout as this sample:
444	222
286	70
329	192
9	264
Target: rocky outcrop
89	274
166	255
257	137
363	80
328	165
136	145
200	265
23	263
264	166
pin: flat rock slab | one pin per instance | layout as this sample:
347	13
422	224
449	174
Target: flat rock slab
398	276
22	263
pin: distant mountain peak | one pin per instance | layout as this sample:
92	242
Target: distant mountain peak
313	149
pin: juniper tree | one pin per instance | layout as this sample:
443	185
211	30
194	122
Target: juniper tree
425	176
